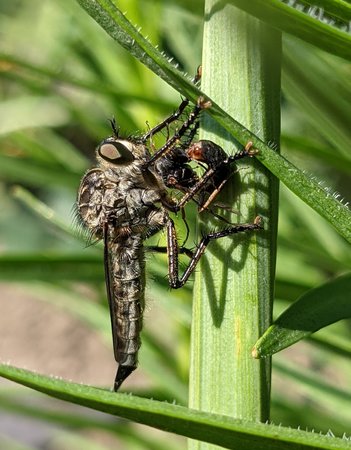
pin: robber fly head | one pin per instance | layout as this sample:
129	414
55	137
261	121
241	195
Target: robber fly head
120	152
115	151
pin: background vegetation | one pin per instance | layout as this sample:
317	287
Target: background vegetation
62	78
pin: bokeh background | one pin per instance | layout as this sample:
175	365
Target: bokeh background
62	78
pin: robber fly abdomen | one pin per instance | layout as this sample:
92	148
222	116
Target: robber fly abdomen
117	202
125	271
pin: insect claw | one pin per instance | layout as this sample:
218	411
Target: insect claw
203	103
248	146
249	151
198	74
122	373
258	222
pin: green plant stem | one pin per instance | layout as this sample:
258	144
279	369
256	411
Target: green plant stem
234	289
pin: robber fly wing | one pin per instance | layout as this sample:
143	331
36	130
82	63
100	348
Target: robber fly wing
109	283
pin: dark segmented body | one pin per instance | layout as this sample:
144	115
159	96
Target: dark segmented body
118	202
175	170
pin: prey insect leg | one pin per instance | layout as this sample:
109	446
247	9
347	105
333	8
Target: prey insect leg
241	154
174	280
207	176
218	170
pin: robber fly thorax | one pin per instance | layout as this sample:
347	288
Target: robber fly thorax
125	200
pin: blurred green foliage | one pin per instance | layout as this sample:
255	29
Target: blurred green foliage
62	78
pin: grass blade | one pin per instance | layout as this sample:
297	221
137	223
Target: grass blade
290	20
314	310
51	267
216	429
337	8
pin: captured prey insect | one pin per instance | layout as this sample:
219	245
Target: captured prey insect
124	200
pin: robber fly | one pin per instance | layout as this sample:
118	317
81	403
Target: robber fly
125	200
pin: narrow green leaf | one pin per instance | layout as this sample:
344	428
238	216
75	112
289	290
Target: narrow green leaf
303	185
17	113
291	410
104	88
51	267
196	7
46	148
314	310
14	402
290	20
319	87
321	152
337	8
308	189
114	22
213	428
45	212
22	170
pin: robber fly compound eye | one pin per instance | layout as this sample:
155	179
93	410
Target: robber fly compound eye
116	152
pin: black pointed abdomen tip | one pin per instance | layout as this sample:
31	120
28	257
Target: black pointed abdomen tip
123	372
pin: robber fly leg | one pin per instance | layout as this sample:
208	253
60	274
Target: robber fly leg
191	135
181	250
191	120
173	117
173	251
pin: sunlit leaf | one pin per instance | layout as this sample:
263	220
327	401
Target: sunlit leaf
314	310
213	428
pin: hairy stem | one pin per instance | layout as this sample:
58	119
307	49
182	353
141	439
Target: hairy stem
234	287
